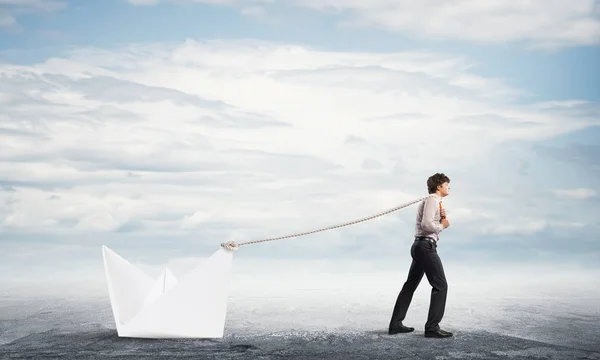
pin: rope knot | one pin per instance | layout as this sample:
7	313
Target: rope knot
230	245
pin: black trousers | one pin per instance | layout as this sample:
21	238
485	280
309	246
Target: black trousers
425	261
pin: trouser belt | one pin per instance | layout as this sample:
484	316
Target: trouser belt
426	238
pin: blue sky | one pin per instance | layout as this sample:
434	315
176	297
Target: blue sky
172	126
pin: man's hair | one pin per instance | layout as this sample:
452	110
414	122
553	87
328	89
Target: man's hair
436	180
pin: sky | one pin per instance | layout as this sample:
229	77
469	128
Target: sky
164	128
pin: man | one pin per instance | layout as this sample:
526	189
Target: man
431	220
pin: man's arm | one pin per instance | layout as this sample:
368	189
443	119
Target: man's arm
428	223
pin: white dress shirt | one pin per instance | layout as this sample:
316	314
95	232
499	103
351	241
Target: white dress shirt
428	222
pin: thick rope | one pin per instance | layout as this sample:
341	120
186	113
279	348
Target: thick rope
231	245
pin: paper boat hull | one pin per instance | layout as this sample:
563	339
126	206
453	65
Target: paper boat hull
193	306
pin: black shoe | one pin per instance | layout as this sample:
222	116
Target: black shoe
438	334
399	328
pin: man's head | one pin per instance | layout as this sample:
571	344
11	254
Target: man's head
438	183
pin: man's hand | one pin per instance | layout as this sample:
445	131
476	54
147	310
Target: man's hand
445	223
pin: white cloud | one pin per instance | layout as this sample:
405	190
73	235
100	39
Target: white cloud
7	20
578	194
33	5
10	8
539	23
255	138
522	227
143	2
254	11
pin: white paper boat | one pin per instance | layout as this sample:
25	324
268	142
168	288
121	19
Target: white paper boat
193	306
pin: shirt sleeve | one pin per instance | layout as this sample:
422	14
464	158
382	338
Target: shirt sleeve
428	222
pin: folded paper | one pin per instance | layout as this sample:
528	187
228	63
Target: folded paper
193	306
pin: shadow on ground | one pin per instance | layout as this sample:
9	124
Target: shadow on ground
103	343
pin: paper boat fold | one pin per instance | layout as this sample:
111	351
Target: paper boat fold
193	306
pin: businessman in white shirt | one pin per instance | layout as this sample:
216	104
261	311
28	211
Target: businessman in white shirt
431	221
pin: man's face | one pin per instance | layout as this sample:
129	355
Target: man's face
444	189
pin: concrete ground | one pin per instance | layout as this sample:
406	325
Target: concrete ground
102	343
37	328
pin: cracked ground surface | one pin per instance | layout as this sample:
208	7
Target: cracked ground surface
103	343
84	329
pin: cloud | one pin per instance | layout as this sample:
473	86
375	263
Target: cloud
33	5
54	35
526	226
486	120
582	108
143	2
10	8
7	20
536	23
532	22
254	11
200	141
584	154
578	194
